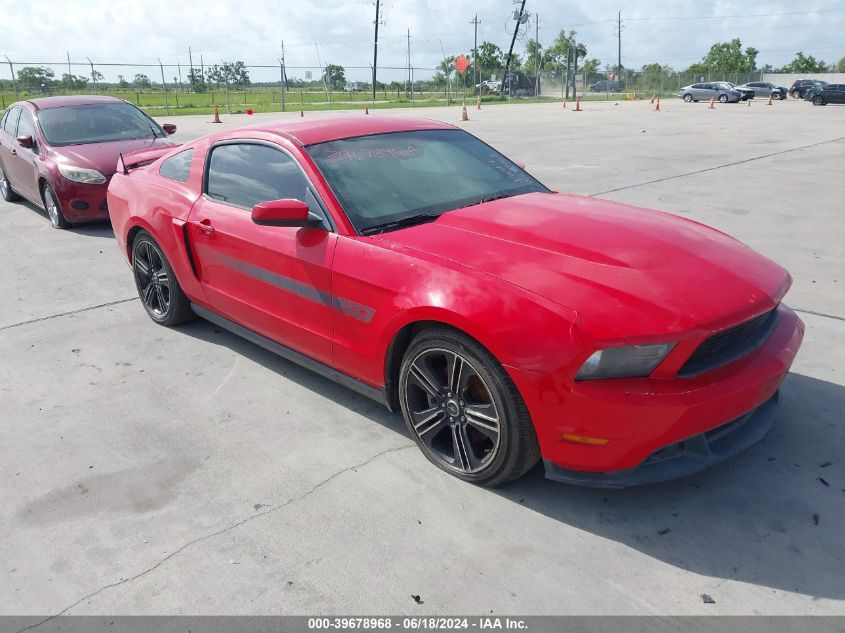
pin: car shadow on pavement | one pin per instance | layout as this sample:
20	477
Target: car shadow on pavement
98	228
771	516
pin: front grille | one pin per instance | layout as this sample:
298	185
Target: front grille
729	345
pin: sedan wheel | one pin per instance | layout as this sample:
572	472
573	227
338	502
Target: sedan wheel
723	98
54	209
157	286
6	188
687	98
463	411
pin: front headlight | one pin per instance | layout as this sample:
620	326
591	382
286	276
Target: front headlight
624	362
82	174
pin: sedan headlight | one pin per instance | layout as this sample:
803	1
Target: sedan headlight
624	362
82	174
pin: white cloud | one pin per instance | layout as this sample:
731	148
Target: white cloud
142	32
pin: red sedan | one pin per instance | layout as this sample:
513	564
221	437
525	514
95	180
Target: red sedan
60	152
417	265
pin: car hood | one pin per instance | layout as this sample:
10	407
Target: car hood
632	271
104	156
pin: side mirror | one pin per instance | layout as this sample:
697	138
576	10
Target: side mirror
286	212
25	142
169	128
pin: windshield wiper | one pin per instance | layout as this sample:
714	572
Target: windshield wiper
490	198
411	220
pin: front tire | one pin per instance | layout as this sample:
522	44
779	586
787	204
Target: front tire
463	410
53	208
687	98
158	288
6	188
723	98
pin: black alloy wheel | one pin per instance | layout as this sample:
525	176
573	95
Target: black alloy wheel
463	410
157	286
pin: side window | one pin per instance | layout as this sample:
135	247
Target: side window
11	123
25	125
177	167
245	174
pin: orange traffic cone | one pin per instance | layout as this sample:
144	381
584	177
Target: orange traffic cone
770	100
478	103
366	110
464	115
217	115
302	113
564	104
749	103
657	106
653	98
577	104
712	107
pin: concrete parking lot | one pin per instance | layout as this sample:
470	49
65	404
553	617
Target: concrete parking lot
184	471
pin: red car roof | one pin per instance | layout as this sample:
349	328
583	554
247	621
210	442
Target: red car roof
330	128
57	102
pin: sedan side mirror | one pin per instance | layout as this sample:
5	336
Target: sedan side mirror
25	142
170	128
285	212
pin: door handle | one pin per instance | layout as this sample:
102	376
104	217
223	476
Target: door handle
205	227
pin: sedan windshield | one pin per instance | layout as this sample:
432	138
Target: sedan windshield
386	181
96	123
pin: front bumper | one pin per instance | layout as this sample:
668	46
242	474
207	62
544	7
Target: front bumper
683	458
636	417
81	202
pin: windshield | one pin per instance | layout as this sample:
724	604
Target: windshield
95	123
384	179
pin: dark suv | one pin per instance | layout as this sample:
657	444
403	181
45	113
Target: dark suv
799	87
829	93
608	85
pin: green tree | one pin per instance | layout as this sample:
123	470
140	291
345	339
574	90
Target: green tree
196	80
557	55
840	66
122	83
727	57
534	55
235	74
73	82
35	76
334	76
491	59
804	64
142	82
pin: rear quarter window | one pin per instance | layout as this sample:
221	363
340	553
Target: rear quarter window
178	166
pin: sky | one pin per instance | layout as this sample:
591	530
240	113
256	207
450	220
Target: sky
132	32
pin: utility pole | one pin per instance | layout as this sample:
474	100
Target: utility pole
283	77
68	63
191	79
619	44
476	22
410	86
375	48
12	70
537	57
510	50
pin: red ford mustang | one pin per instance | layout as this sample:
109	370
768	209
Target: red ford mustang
415	264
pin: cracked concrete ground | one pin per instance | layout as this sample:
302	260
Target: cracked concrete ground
155	471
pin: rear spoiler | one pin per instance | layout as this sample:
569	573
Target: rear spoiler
142	157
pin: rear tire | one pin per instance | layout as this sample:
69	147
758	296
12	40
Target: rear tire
463	410
53	208
6	191
159	290
818	100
